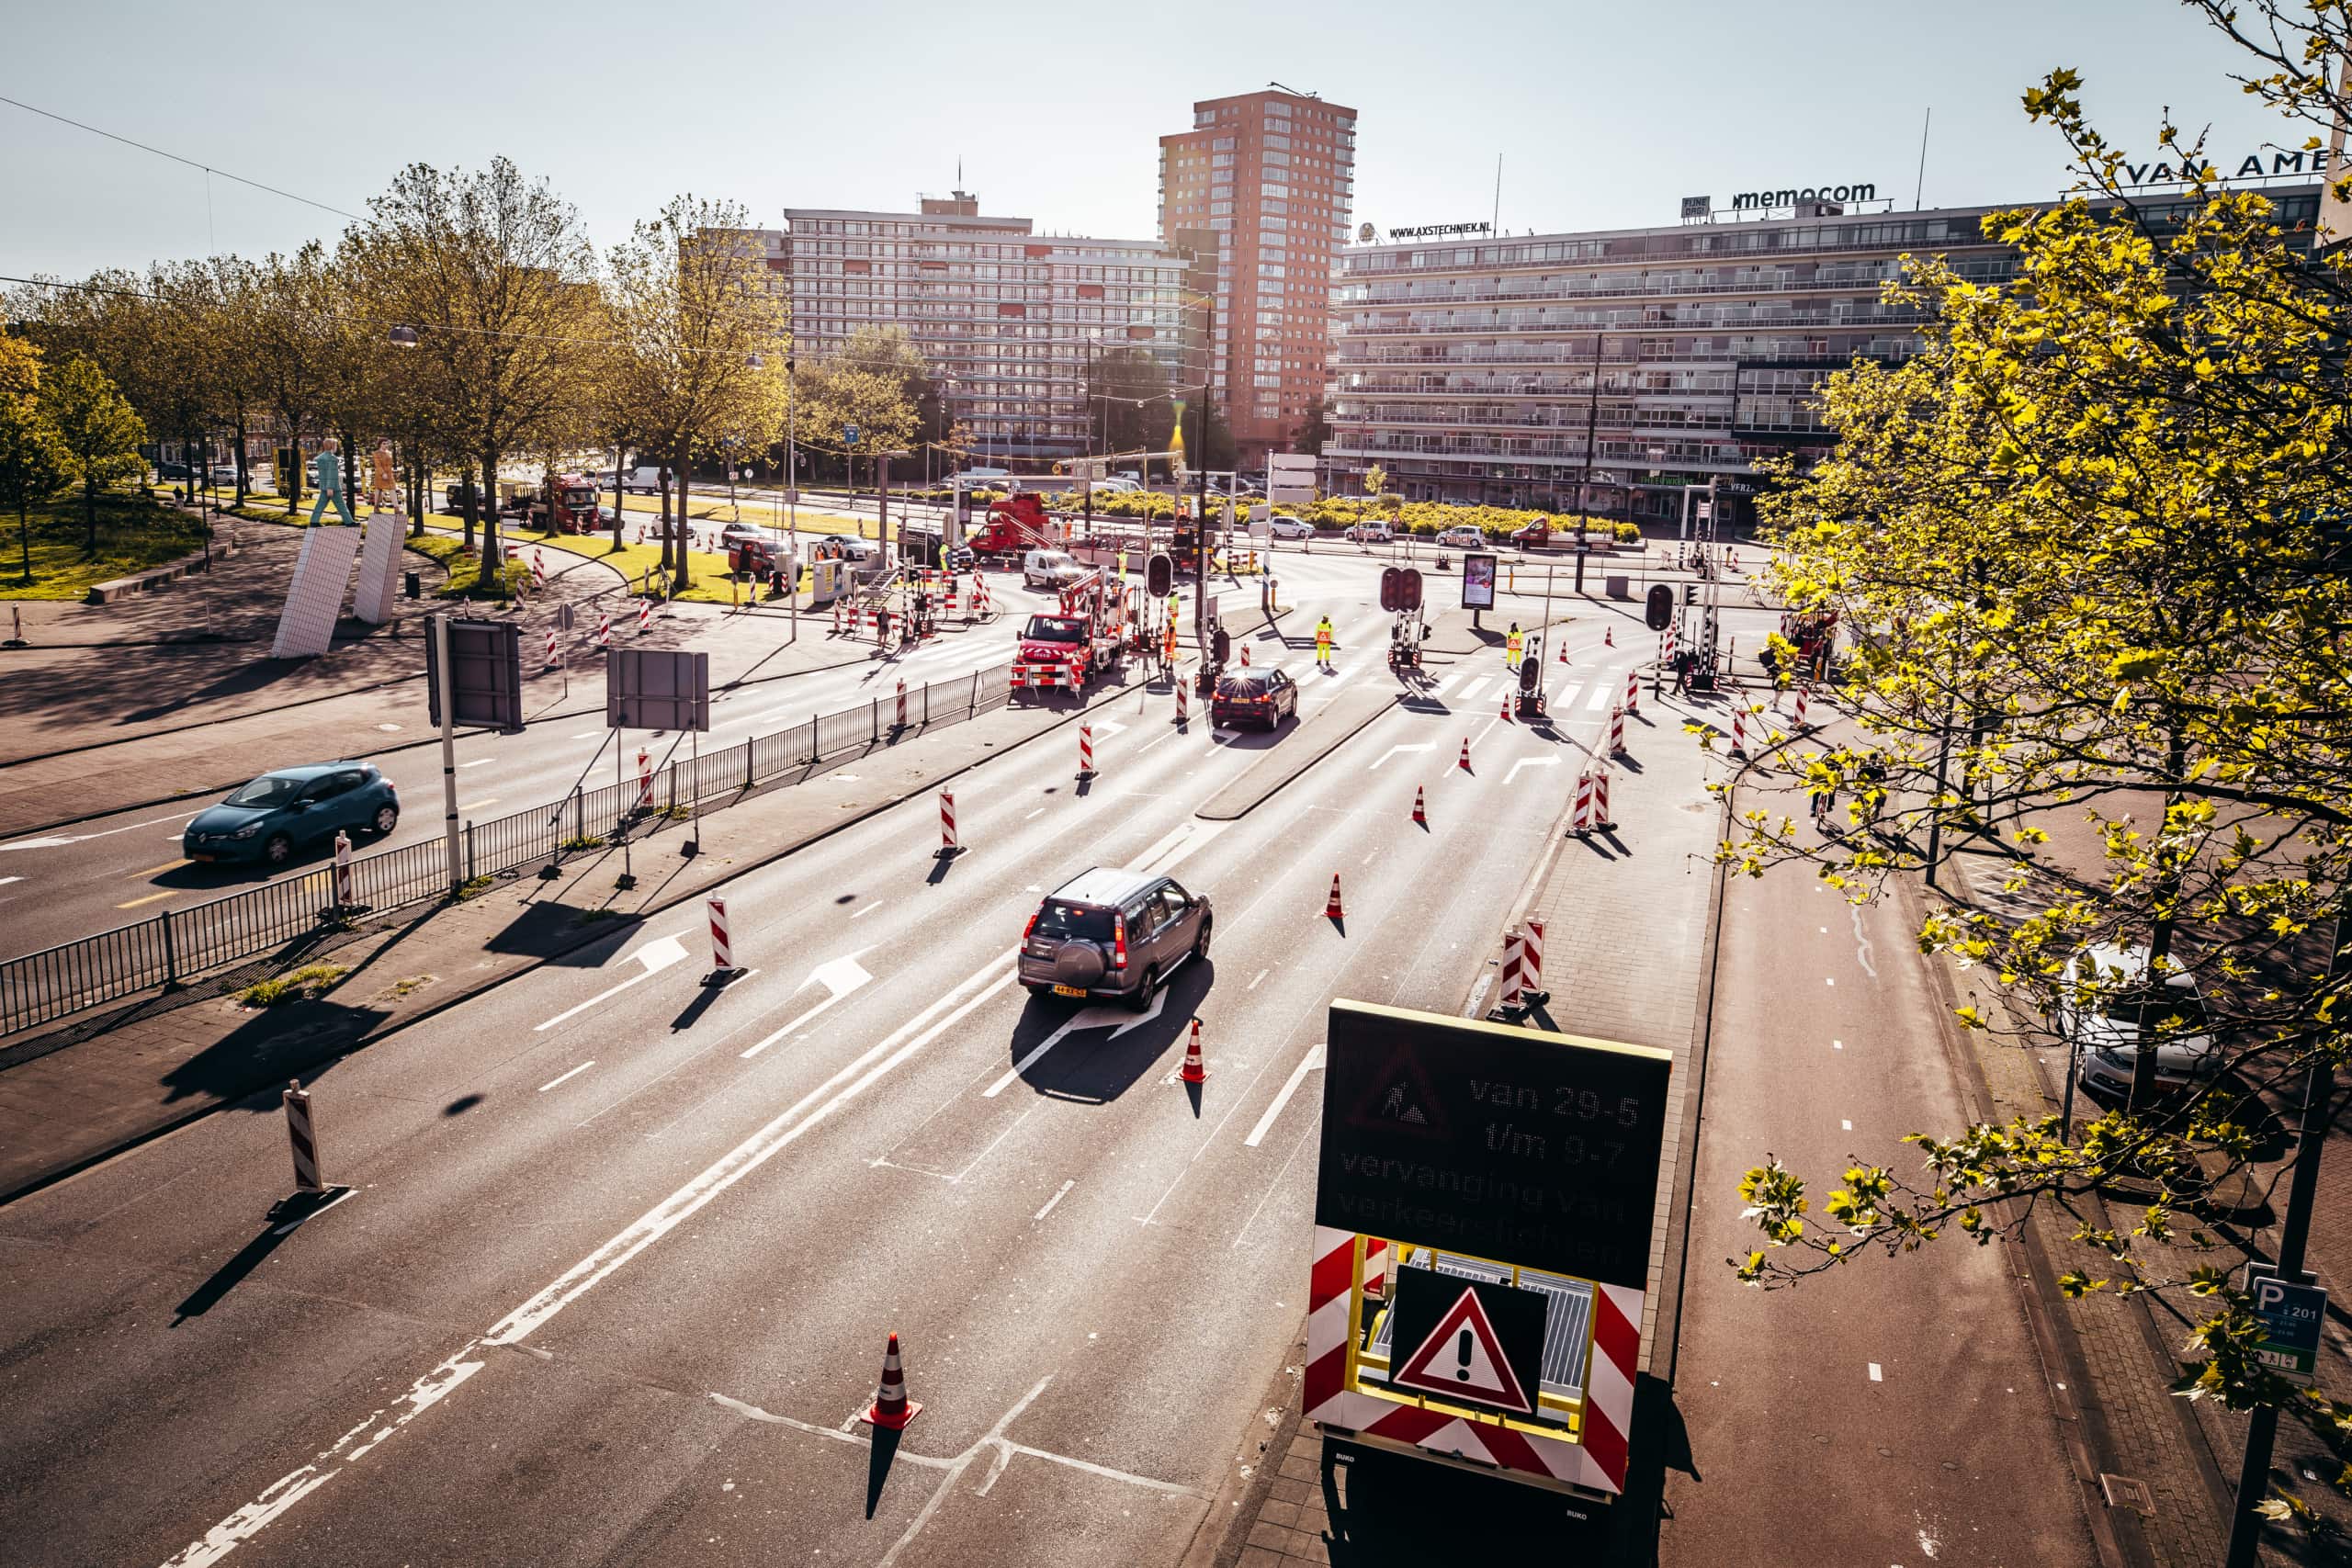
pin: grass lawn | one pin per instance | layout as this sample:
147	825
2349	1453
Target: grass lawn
709	508
633	561
134	533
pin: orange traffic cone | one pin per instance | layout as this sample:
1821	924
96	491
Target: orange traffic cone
1331	910
1609	637
1465	754
1506	708
1564	650
891	1407
1194	1072
1420	808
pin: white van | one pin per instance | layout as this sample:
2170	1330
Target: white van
1049	568
645	479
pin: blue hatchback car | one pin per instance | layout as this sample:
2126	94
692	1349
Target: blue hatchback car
269	819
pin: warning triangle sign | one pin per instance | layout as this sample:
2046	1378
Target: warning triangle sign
1401	1099
1463	1358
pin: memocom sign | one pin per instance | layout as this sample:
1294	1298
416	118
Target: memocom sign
1809	193
1538	1149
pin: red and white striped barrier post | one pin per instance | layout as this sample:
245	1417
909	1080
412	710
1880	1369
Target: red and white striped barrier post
1669	641
948	847
1601	822
1633	691
951	595
1245	655
1617	729
722	955
550	664
538	567
343	898
1739	731
1531	980
644	615
1512	948
1183	716
901	719
1580	820
644	779
300	1133
1086	750
1798	723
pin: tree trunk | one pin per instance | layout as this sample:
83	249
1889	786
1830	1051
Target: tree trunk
242	485
665	518
90	510
472	492
682	579
491	560
620	489
25	540
350	472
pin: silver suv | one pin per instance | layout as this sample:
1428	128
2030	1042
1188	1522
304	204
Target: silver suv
1107	933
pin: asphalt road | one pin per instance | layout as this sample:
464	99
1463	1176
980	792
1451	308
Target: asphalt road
1905	1394
90	876
624	1248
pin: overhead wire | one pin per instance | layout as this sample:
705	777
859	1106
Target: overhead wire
176	158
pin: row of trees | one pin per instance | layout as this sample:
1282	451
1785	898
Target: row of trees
469	320
2091	551
60	425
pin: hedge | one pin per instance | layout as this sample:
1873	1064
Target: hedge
1420	518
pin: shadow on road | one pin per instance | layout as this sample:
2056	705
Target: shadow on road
270	1046
1091	1065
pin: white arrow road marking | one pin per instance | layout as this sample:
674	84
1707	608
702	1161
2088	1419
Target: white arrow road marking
839	977
1417	746
655	955
1085	1017
1306	1064
1528	763
1108	727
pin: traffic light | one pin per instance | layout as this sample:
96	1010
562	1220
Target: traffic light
1531	672
1408	588
1221	645
1659	611
1392	597
1158	575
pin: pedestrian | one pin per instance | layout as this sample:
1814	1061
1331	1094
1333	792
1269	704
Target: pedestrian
1323	643
1511	648
1824	807
1122	562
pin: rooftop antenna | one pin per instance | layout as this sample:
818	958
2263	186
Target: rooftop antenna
1919	189
1494	227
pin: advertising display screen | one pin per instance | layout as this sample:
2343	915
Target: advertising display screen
1477	581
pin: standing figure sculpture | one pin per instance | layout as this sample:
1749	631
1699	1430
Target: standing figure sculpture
381	493
326	471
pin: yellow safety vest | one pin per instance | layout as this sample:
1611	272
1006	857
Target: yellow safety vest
1513	640
1323	632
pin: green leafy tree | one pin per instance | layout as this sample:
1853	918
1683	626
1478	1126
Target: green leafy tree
33	458
98	428
2087	554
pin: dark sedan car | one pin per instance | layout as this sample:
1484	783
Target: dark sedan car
1254	696
274	816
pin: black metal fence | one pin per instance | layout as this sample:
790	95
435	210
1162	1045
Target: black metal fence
178	944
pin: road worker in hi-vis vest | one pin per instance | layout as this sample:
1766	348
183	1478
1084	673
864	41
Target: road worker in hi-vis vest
1323	643
1511	647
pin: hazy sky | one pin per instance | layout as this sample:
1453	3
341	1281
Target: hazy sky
1606	113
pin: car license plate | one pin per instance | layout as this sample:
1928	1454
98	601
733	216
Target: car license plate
198	854
1069	990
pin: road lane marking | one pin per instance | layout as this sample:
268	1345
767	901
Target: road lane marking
573	1074
291	1224
1528	763
1568	697
1837	1044
1876	1376
166	893
1600	694
1311	1060
60	840
1829	980
1271	1187
1055	1199
1039	812
479	805
478	761
167	866
869	909
1417	746
840	978
1847	1125
656	955
6	880
1085	1017
1253	984
1469	691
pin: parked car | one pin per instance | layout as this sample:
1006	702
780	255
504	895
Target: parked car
1049	568
1285	527
1109	932
1369	534
737	532
269	819
2102	1030
1262	695
171	470
1462	536
224	473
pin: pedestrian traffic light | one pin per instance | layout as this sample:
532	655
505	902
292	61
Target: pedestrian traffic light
1392	597
1158	575
1657	612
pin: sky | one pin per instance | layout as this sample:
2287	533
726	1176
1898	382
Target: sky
1605	114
